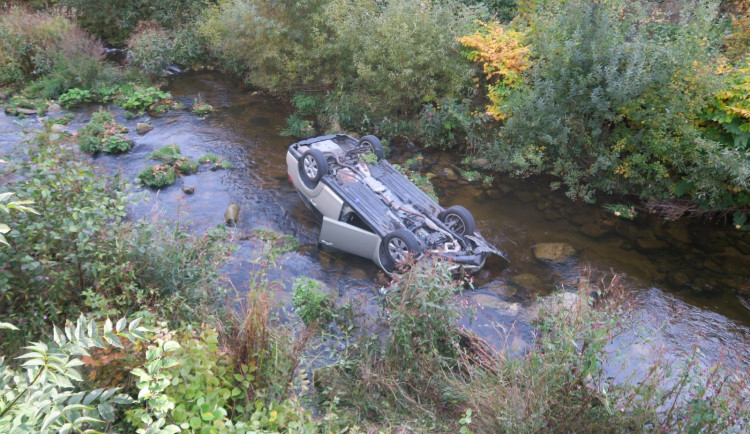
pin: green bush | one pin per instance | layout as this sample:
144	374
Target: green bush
74	97
310	302
148	99
612	100
48	392
115	20
46	43
157	176
150	51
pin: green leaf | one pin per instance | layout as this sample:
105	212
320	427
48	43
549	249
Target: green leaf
106	411
50	419
7	326
121	324
171	346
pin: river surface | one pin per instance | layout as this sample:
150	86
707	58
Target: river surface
691	280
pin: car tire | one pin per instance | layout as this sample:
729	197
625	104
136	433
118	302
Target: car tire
459	220
312	167
374	144
397	247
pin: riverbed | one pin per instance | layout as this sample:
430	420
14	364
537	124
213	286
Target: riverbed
690	279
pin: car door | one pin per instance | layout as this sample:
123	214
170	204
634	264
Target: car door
350	239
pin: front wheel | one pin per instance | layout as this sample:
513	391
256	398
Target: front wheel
397	247
374	144
459	220
312	167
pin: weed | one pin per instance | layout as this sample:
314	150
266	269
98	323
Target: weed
298	127
168	154
102	133
201	107
310	302
157	176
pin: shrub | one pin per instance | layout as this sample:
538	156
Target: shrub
297	127
310	302
157	176
75	96
612	100
150	50
35	44
148	99
48	392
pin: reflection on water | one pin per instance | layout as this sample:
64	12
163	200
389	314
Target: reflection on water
687	277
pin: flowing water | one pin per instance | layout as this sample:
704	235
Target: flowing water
691	279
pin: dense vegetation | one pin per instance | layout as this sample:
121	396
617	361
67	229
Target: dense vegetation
608	97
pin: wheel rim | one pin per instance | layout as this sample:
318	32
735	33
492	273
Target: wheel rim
455	223
398	250
311	167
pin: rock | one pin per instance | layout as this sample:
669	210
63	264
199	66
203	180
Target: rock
529	282
495	194
551	214
54	137
679	279
232	214
57	128
505	189
555	252
542	205
449	174
143	128
594	230
189	190
582	219
430	175
3	96
54	109
564	303
480	195
744	289
647	244
524	196
25	111
490	302
678	232
626	229
712	266
480	163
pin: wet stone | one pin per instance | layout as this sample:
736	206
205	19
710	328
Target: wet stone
529	282
143	128
188	190
648	244
494	194
582	219
555	252
551	214
57	128
594	230
505	189
678	232
480	163
449	174
524	196
680	279
54	109
712	266
542	205
488	301
26	111
54	137
480	196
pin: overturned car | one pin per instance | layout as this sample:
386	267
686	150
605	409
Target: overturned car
371	210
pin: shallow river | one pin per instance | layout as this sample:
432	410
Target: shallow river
688	278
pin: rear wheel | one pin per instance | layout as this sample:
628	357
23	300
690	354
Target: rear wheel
312	167
398	247
459	220
374	144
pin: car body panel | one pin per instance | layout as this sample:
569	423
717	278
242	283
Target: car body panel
349	238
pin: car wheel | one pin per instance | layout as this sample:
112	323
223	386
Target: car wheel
397	247
312	167
459	220
374	144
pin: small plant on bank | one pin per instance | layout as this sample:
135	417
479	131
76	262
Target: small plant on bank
65	119
150	99
310	302
627	212
276	243
102	133
75	97
298	127
201	107
157	176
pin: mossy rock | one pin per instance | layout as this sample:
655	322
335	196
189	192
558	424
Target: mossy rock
157	176
102	133
186	166
168	154
216	161
279	244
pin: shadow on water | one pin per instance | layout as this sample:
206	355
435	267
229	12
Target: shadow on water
688	277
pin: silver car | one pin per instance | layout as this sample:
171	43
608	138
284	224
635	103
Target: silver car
370	209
